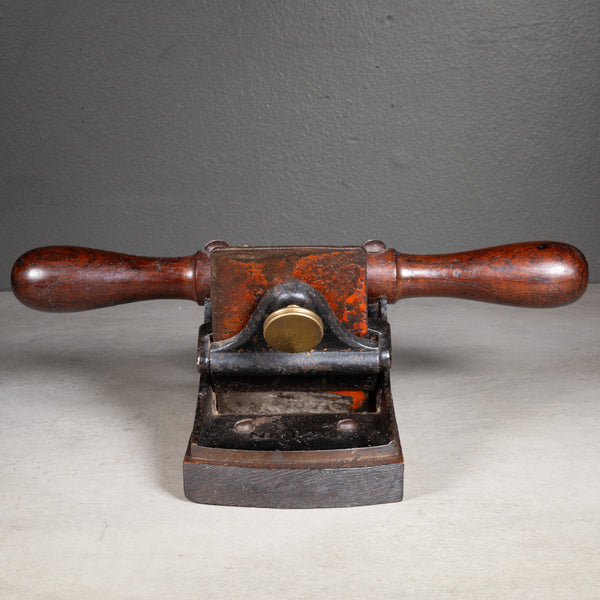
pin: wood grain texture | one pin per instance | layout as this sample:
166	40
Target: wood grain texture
70	278
529	274
292	488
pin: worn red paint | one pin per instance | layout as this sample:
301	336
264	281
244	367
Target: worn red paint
240	277
359	399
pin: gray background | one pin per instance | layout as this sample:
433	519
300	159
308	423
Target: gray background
154	127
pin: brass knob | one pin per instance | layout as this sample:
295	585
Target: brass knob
293	329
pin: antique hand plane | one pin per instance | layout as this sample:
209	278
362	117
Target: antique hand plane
295	407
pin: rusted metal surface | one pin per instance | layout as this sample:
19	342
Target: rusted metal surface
241	276
284	402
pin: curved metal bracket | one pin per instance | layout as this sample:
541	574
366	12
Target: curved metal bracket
341	360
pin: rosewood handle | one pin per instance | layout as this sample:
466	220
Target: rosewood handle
69	278
533	274
530	274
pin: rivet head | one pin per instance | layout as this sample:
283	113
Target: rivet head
293	329
346	425
244	426
215	244
374	246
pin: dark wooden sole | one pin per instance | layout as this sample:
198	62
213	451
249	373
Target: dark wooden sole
292	487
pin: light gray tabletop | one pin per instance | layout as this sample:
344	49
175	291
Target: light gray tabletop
499	416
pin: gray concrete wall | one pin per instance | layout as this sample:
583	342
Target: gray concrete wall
153	127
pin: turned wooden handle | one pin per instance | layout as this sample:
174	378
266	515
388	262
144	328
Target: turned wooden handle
535	274
530	274
69	278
